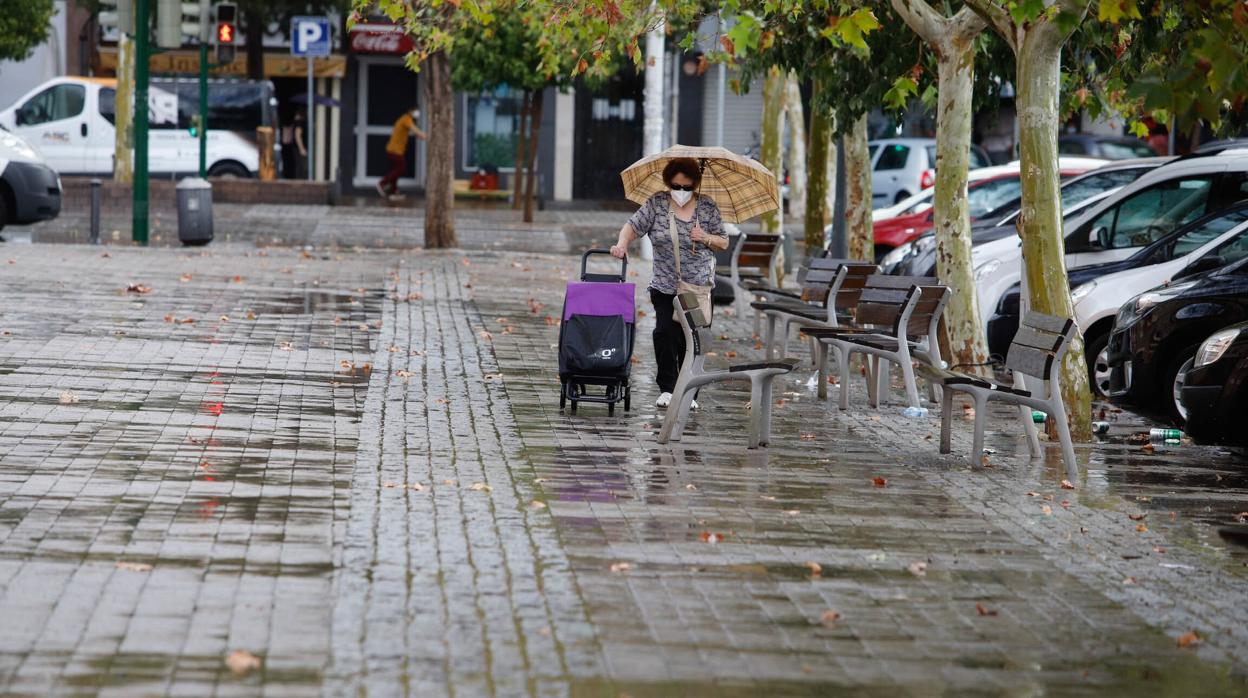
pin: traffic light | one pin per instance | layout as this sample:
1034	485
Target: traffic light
227	32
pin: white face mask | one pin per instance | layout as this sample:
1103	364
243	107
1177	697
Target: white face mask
681	197
415	113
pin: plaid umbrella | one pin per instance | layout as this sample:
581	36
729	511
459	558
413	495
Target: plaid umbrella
740	186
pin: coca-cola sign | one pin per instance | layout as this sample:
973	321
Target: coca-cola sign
379	38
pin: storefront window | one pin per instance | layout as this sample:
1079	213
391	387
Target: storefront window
492	124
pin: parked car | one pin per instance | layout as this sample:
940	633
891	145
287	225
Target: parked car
904	166
1157	333
919	256
69	121
1211	242
30	191
1215	388
1135	216
1108	147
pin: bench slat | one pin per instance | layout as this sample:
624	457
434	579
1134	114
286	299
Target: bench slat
1029	361
1044	341
1048	323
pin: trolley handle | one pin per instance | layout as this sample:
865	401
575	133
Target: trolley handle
585	262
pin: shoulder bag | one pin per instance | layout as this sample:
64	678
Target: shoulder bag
702	292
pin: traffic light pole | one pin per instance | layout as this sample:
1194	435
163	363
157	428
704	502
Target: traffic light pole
311	134
142	36
203	109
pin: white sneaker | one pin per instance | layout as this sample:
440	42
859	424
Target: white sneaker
693	405
382	190
664	400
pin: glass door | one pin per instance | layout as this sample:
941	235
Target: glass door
387	89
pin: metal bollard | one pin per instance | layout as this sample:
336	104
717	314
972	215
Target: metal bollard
94	239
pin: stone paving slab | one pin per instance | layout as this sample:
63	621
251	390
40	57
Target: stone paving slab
433	524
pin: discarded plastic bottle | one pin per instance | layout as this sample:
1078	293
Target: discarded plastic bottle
1100	427
1165	434
915	412
1038	417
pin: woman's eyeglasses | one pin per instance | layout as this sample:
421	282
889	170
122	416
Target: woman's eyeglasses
681	187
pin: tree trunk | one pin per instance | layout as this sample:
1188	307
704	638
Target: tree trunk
440	152
968	344
858	192
816	214
123	160
1040	222
796	119
255	26
772	138
517	177
535	128
829	200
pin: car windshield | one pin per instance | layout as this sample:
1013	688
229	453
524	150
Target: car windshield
1124	150
1079	189
1202	233
991	194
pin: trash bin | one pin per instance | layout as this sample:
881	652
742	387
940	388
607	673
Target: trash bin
194	211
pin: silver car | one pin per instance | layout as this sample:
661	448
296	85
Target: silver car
901	167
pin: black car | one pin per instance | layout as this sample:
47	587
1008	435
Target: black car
1215	389
1156	334
1004	321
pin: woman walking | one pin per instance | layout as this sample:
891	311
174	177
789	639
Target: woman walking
700	230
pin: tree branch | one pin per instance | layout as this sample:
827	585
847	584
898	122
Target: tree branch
966	24
998	18
925	21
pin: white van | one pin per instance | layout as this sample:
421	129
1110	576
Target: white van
69	120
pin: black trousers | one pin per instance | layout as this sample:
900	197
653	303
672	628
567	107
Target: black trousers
669	340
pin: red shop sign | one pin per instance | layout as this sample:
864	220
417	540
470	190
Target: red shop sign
380	38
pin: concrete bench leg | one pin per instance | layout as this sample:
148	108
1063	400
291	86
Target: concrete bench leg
677	412
842	358
764	436
981	420
1029	428
769	337
946	419
1063	433
758	408
912	388
784	338
820	352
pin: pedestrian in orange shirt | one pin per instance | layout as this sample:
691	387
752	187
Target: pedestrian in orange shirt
396	152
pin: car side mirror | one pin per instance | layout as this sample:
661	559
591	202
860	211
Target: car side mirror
1100	238
1206	263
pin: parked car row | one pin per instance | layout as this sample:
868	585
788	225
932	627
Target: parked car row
1157	258
30	191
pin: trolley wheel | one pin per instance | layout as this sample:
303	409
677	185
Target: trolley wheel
574	407
628	398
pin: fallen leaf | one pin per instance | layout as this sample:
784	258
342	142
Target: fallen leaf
403	374
251	315
829	618
767	497
418	487
879	482
691	487
448	481
1066	485
1065	503
390	485
134	566
807	437
984	610
1189	638
815	568
1159	551
1137	517
1033	494
67	398
1129	580
983	460
793	512
224	318
712	538
1142	528
185	278
486	335
241	661
286	346
537	505
1148	448
621	567
481	486
918	569
138	288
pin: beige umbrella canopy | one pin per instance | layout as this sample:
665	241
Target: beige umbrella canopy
740	186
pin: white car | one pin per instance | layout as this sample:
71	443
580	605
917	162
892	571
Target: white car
69	121
30	191
1212	242
1117	226
901	167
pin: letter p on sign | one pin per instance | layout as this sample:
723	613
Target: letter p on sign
310	36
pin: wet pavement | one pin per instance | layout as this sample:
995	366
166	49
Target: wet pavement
350	467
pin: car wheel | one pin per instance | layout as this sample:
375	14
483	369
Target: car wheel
231	170
4	210
1096	351
901	196
1175	377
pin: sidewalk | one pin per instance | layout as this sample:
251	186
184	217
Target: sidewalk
432	524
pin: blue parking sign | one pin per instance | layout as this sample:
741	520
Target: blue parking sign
309	36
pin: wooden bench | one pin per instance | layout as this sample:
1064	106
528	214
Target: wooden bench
693	375
830	289
898	318
754	261
1036	353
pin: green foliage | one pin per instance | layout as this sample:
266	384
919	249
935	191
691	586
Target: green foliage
494	149
23	26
